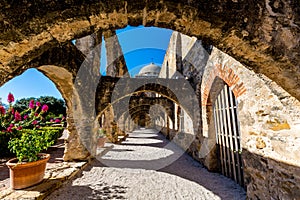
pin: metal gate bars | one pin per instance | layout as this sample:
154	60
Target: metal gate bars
228	135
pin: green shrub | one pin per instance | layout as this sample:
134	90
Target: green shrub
30	144
55	132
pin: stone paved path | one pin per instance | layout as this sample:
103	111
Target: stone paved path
147	166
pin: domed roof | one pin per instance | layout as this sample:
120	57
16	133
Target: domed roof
151	69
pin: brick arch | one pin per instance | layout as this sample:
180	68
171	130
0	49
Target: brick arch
228	75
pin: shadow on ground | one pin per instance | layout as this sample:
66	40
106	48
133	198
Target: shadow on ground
100	191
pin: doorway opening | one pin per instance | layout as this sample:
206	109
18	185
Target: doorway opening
228	137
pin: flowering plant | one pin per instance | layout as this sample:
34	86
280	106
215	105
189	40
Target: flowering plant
21	133
12	121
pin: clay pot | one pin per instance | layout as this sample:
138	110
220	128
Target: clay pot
101	142
23	175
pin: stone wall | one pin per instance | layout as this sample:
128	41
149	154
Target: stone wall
268	116
268	178
269	124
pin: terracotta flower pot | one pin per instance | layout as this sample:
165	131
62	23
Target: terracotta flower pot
23	175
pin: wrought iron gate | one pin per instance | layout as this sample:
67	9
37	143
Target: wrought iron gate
228	135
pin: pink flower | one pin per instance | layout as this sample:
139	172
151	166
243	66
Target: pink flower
2	110
9	129
17	116
19	128
34	122
51	120
11	125
57	121
12	110
10	98
36	114
25	117
38	104
45	108
31	104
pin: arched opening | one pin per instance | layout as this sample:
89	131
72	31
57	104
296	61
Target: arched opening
30	83
224	129
33	85
142	107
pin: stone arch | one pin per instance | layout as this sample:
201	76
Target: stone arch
133	112
170	89
120	109
140	117
267	43
123	109
62	79
124	89
235	32
61	64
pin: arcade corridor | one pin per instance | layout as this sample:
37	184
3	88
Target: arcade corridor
145	166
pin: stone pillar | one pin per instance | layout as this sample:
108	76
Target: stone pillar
178	53
116	65
130	125
82	122
74	149
90	46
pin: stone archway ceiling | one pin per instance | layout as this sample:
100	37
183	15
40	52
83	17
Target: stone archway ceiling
122	90
145	108
65	55
263	35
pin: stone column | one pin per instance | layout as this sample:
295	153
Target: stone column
116	65
178	53
74	149
82	122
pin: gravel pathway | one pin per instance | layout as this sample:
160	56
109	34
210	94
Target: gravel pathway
147	166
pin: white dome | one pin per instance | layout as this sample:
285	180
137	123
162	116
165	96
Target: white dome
150	70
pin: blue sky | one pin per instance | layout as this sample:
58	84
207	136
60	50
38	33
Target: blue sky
140	46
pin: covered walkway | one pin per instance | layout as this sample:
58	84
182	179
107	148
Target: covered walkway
147	166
